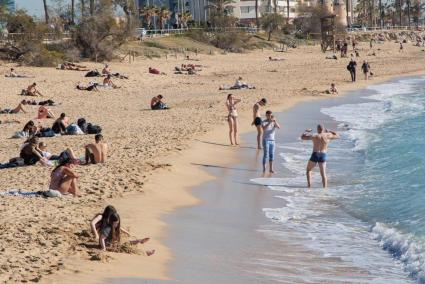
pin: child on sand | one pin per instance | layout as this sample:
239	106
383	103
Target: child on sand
333	90
107	230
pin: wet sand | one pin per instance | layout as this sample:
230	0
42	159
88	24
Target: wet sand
222	239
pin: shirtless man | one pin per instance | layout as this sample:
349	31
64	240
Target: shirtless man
320	147
17	109
96	152
257	121
32	90
13	74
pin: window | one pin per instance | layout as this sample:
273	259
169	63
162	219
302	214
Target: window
247	9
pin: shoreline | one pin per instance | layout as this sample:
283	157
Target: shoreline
178	180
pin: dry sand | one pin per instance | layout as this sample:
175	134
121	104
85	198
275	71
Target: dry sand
151	152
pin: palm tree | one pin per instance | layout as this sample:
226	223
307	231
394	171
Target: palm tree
408	12
287	12
72	11
163	16
91	7
272	22
220	7
185	17
46	13
83	8
257	21
148	12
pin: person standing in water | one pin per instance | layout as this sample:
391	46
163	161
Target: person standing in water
269	126
257	120
232	118
320	147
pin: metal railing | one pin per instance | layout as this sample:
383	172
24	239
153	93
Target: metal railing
386	28
164	32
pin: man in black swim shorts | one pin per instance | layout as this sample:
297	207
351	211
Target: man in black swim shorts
257	121
320	147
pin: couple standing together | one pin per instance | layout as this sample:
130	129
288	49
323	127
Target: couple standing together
266	138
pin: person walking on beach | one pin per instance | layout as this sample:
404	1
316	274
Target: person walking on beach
257	120
320	147
366	69
232	118
269	126
352	68
401	47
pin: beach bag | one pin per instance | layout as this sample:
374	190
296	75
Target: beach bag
82	124
93	129
93	73
73	129
348	67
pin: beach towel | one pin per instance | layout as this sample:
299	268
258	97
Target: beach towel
20	134
248	87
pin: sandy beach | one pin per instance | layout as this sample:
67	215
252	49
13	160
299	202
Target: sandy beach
154	155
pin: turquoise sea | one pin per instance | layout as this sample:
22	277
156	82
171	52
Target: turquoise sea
373	214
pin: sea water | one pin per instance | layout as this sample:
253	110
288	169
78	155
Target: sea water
373	214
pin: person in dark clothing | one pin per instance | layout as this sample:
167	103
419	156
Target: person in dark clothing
352	68
59	126
366	69
30	152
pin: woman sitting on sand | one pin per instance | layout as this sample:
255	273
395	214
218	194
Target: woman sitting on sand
17	109
30	152
64	179
30	128
107	229
232	117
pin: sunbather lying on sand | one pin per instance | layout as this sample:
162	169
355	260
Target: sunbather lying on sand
41	103
44	112
17	109
275	59
91	86
72	66
96	152
155	71
157	103
8	121
107	230
13	74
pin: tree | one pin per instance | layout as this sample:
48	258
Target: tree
148	12
408	12
92	6
185	17
129	9
221	7
72	12
257	20
417	10
83	8
287	12
272	22
46	13
163	16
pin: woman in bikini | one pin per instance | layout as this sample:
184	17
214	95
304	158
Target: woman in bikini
64	179
232	118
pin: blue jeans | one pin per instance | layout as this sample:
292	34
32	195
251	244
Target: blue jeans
268	150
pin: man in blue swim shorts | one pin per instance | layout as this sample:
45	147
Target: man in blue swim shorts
320	147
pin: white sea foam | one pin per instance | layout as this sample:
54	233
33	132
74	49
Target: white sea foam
317	217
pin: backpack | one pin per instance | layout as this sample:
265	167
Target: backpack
81	122
93	129
73	129
92	73
348	67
